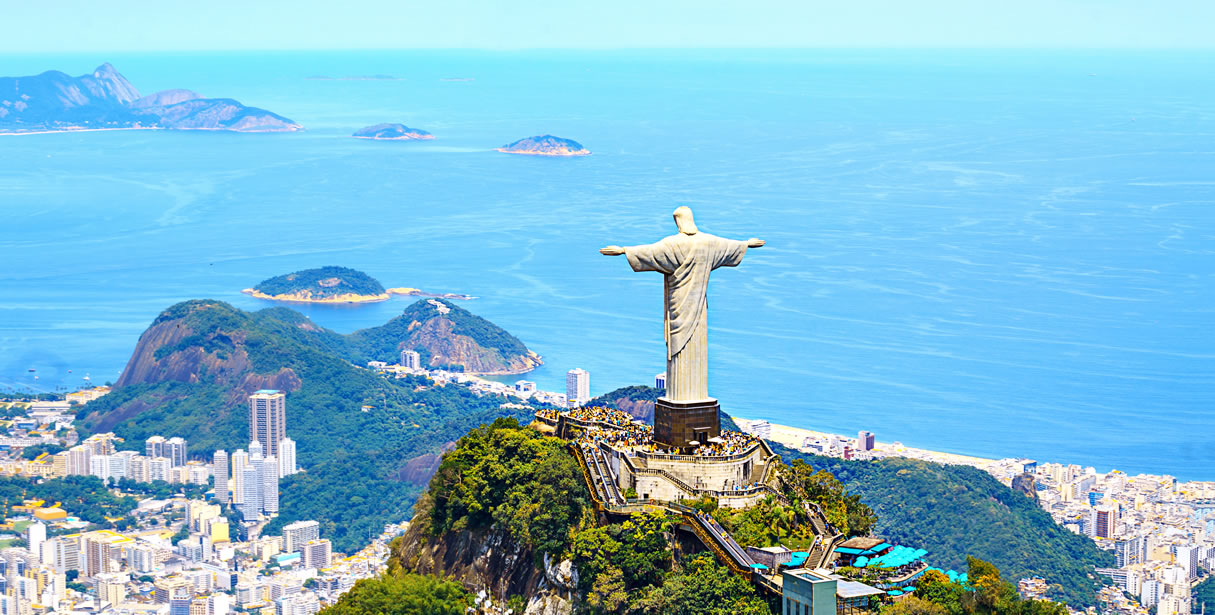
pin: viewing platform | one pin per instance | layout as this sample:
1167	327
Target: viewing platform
735	468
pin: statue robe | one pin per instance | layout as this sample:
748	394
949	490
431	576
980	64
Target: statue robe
685	262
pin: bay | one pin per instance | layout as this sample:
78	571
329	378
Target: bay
992	253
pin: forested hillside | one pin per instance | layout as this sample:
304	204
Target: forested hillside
959	511
195	366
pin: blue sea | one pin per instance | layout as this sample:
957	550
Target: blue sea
993	253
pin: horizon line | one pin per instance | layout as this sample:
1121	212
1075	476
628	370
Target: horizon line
1195	48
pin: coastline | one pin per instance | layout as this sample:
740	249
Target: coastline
63	130
793	437
347	298
582	152
401	138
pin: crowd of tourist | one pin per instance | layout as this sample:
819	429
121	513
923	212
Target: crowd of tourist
622	429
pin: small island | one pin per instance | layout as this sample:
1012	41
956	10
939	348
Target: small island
105	100
392	132
333	285
545	145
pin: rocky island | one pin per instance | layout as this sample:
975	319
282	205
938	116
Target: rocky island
545	145
392	132
104	100
332	285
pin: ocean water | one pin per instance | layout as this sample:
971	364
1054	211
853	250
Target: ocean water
995	253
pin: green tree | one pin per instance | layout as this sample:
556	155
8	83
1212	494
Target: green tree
914	606
407	594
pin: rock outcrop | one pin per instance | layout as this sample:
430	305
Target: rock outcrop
486	561
448	336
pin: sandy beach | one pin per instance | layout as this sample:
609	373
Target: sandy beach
793	437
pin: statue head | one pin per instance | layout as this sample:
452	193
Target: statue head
683	219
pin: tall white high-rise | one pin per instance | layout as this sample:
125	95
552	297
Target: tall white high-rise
175	450
270	484
286	458
35	535
411	359
240	461
219	469
577	387
155	446
251	490
268	419
256	450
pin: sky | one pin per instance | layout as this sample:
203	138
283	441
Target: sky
156	25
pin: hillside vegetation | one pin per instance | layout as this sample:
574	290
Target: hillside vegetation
446	336
959	511
195	366
322	283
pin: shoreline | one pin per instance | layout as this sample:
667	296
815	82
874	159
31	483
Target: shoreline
66	130
793	437
402	138
583	152
351	298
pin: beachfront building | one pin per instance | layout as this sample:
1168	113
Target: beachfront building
577	387
864	441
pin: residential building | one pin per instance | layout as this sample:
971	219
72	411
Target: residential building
251	491
316	553
577	387
112	586
35	535
175	450
269	475
219	469
298	533
268	419
240	460
660	380
154	446
286	458
864	441
411	359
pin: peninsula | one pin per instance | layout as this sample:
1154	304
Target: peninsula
545	145
392	132
333	285
104	100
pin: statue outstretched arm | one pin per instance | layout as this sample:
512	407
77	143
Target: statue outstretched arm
751	243
612	251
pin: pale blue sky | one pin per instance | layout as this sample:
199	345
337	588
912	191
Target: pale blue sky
140	25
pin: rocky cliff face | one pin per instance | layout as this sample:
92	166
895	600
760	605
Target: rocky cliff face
489	562
448	347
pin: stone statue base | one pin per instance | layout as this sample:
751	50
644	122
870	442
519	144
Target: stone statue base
676	423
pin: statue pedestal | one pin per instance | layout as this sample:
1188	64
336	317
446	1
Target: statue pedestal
676	423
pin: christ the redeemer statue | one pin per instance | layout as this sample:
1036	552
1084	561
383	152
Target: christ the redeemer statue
685	260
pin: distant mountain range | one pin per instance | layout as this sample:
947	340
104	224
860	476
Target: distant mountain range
104	99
